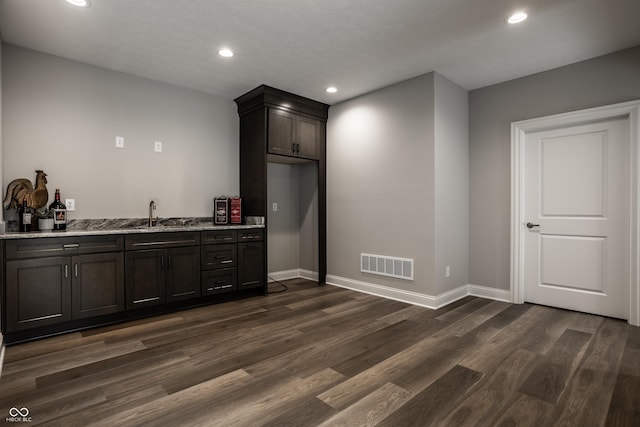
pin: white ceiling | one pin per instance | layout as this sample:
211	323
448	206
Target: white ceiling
303	46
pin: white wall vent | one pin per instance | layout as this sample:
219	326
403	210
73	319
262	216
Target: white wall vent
401	268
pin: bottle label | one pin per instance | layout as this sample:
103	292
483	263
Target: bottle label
26	218
59	216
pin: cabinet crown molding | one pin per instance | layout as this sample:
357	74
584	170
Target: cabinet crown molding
268	96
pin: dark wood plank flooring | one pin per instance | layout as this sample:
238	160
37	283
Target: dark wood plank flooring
329	356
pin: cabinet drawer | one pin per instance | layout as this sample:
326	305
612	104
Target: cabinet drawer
218	256
251	235
218	237
162	240
56	246
219	281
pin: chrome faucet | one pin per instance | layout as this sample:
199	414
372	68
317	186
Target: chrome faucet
152	221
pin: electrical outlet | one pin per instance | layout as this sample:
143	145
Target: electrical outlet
70	204
119	141
158	147
275	207
447	271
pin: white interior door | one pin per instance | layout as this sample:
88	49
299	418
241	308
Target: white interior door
576	202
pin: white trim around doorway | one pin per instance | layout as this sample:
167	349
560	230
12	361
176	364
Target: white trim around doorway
519	130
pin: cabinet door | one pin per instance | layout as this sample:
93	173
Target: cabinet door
251	272
308	136
38	292
183	273
98	284
145	278
281	136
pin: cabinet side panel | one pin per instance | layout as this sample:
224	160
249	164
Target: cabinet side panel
253	170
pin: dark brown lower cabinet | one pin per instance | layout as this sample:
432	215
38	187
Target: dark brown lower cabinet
55	284
97	285
145	278
38	292
251	265
183	273
45	291
157	276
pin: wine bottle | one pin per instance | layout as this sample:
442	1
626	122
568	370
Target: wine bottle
25	217
59	213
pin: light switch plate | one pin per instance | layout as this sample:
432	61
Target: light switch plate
158	147
70	204
119	141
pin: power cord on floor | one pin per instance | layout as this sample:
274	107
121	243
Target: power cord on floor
284	287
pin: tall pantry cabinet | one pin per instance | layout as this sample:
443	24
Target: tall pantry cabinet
280	127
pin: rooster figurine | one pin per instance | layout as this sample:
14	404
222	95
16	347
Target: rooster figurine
21	188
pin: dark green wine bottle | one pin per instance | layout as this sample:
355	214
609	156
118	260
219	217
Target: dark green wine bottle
25	217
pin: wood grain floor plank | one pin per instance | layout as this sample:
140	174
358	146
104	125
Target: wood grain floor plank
182	405
371	409
392	344
311	413
110	407
270	402
389	370
60	392
549	379
543	326
35	348
494	394
436	401
589	393
315	355
527	411
71	358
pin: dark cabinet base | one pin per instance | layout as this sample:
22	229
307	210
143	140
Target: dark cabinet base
57	285
105	320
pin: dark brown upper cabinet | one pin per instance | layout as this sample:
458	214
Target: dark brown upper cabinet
294	135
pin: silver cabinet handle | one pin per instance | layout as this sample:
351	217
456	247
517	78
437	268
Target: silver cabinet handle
76	269
66	271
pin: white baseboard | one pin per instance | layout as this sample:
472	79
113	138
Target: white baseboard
415	298
489	293
293	274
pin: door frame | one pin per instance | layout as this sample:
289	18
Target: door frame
519	131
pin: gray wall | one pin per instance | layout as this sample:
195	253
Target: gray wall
63	116
283	238
451	184
380	182
293	229
601	81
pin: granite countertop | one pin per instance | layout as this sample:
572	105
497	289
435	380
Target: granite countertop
93	227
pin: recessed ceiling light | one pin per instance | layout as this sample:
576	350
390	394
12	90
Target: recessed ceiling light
227	53
517	17
79	3
332	89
